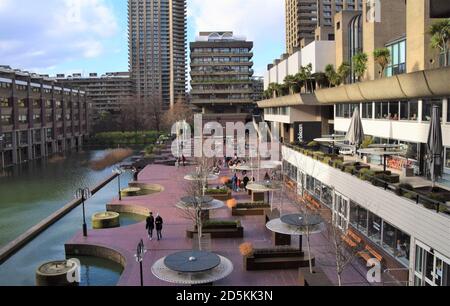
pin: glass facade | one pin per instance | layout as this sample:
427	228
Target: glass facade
447	157
427	107
392	240
398	58
431	268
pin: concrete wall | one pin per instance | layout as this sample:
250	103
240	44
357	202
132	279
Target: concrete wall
319	54
294	63
376	33
420	55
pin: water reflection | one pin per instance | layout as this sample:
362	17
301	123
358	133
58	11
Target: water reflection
31	192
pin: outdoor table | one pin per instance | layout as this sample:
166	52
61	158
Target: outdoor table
261	188
192	268
296	225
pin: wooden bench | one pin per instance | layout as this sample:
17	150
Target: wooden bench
218	233
276	260
352	239
370	253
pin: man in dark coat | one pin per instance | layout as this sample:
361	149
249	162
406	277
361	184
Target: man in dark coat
159	226
150	226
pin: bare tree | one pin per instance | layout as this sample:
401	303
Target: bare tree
153	109
178	112
195	190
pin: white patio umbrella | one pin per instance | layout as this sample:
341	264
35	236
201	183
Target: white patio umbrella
355	135
435	146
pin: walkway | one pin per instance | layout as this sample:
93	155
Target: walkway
125	240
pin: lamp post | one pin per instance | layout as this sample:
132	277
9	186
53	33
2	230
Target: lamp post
119	172
83	194
140	253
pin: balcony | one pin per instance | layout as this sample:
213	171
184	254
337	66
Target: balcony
406	209
221	101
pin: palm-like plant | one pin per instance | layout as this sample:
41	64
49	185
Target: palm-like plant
344	71
321	79
382	57
440	37
291	83
332	76
360	60
272	89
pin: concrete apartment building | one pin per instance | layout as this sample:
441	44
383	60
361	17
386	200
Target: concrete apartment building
107	93
309	20
410	238
221	71
38	117
157	49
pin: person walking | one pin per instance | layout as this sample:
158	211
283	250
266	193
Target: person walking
234	182
183	158
150	226
159	226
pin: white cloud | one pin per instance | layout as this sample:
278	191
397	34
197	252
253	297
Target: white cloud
261	21
44	34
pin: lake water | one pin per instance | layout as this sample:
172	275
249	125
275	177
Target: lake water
31	192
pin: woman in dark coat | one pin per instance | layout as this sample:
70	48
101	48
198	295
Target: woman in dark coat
159	226
150	226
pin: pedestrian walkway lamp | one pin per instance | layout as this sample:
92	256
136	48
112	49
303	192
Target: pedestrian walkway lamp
119	172
140	253
83	194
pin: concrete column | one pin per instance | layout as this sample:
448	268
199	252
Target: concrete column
445	108
15	158
30	145
419	105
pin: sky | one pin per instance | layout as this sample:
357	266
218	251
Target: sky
83	36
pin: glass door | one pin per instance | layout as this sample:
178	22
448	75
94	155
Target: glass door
431	268
341	211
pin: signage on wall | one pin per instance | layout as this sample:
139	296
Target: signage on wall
300	133
373	11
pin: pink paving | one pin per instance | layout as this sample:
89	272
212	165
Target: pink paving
124	240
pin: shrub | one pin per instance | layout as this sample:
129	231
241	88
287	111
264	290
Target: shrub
112	157
246	249
221	223
326	160
337	164
350	169
217	191
410	195
436	197
402	187
366	174
313	144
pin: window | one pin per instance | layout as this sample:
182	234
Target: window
427	107
447	157
6	120
341	212
367	110
358	217
448	110
431	268
389	237
398	58
409	110
374	229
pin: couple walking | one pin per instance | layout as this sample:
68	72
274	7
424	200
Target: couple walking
153	223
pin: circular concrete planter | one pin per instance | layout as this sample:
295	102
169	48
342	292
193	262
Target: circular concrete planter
131	192
105	220
57	273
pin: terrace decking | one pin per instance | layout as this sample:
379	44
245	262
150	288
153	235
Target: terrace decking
124	240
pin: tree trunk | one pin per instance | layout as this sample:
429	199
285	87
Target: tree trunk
309	251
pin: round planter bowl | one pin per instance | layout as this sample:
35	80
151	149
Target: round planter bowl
131	192
57	273
105	220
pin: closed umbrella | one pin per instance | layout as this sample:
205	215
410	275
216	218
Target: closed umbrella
435	146
355	135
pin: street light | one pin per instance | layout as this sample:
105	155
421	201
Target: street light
119	172
140	253
83	194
